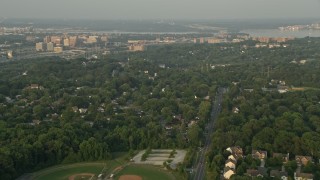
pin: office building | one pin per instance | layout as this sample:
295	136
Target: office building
73	41
92	39
30	38
10	54
136	47
56	39
58	49
50	47
202	40
39	46
47	39
66	42
214	40
104	38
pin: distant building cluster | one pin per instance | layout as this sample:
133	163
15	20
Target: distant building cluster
58	43
229	38
315	26
136	47
269	39
209	40
15	30
140	45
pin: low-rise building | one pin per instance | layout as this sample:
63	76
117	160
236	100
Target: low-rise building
284	157
58	49
260	172
258	154
39	46
236	150
136	47
303	176
231	164
34	86
303	160
50	46
279	174
66	42
228	172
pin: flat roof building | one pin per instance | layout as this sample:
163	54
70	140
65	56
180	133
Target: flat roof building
58	49
137	47
40	46
66	42
56	39
50	46
73	41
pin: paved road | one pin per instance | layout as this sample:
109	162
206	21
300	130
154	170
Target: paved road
200	164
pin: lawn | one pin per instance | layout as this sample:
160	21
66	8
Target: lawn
63	172
146	172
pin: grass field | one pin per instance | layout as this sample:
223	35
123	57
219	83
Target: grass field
63	172
147	172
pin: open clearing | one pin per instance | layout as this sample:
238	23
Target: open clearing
145	172
82	176
64	172
90	171
304	89
67	171
130	177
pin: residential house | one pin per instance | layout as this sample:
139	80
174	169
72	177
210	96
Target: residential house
303	160
284	157
253	173
100	109
303	176
75	109
233	157
279	174
228	172
260	172
34	86
236	150
83	110
235	110
258	154
235	83
168	127
191	123
231	164
36	122
248	90
282	88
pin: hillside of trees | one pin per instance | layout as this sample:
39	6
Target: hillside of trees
56	111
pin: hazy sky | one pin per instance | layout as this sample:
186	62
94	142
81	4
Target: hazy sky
159	9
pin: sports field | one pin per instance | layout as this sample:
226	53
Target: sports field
74	171
146	172
119	167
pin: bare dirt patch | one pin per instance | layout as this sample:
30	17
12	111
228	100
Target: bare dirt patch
81	176
130	177
117	169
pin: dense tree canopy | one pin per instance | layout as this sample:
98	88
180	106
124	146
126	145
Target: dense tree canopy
57	111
